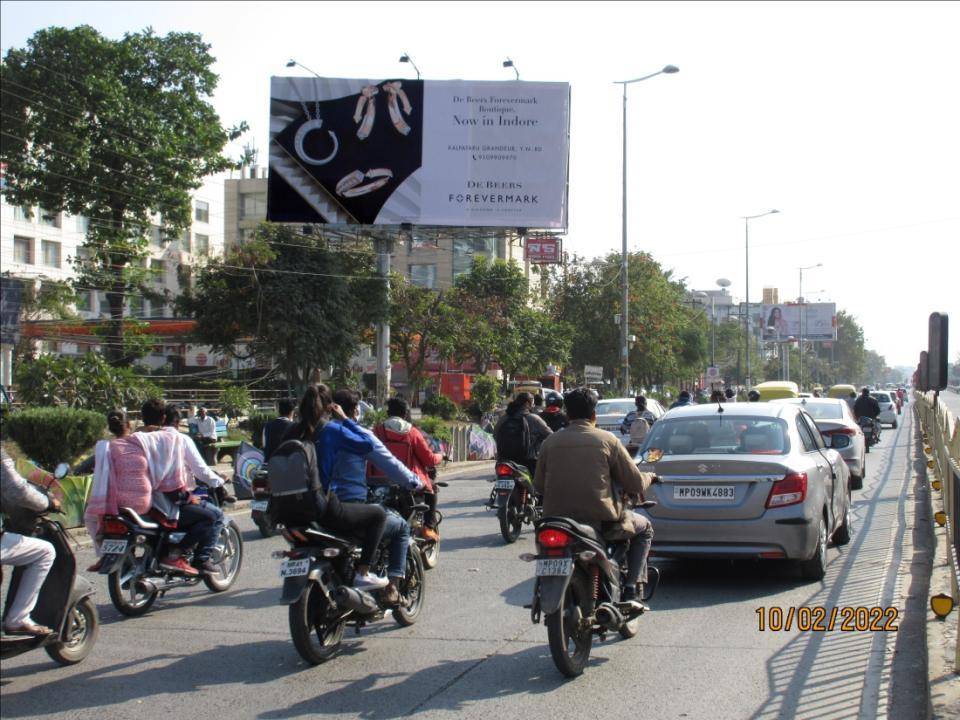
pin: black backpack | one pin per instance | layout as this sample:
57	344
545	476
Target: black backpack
514	441
295	491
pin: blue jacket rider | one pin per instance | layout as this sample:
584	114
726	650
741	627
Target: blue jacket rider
343	449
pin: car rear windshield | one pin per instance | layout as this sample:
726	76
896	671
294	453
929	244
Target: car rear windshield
615	408
719	435
824	411
882	397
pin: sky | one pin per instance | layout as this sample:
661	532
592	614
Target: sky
843	116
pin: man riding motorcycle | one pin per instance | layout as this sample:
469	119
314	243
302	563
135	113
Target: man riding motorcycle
520	433
581	473
866	405
344	471
17	549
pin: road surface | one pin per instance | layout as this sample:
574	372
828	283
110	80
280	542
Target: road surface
475	654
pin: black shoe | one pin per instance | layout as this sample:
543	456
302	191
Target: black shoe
633	594
208	567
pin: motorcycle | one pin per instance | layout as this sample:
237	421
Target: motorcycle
579	577
411	509
514	498
318	573
65	602
260	504
133	546
871	430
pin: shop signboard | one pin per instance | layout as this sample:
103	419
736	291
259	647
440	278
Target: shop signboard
444	153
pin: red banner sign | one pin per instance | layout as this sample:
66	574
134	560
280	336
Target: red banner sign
543	250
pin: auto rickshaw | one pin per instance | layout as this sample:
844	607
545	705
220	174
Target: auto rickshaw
841	392
777	390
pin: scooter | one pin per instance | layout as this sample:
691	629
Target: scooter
514	498
65	601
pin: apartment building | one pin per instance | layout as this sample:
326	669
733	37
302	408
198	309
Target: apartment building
38	245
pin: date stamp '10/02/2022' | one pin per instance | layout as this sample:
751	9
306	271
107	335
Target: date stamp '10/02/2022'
824	619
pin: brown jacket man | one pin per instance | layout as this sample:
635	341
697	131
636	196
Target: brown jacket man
581	472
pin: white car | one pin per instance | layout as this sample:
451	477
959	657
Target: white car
840	431
888	407
611	412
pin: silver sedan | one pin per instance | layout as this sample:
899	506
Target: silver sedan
746	480
840	431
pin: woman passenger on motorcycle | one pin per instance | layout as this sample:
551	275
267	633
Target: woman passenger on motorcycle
331	513
121	478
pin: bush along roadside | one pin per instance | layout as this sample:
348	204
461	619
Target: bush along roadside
50	436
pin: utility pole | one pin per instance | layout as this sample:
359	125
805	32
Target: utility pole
383	246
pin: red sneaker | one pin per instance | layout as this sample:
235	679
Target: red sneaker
178	565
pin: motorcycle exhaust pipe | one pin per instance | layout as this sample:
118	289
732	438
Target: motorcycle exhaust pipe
357	600
609	616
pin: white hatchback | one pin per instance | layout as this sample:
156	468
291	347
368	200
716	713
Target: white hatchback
888	407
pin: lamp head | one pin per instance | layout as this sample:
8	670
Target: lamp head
405	58
670	69
291	63
508	63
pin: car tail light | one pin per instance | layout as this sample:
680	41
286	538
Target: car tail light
504	471
114	527
552	538
789	491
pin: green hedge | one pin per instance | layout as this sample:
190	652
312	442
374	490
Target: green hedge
441	406
54	435
436	427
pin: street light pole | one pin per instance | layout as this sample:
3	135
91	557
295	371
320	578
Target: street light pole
746	316
624	279
803	313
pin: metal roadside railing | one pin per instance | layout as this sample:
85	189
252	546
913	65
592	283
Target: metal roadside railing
941	445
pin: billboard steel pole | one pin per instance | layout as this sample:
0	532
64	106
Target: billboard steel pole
746	321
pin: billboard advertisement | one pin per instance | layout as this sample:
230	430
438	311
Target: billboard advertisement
452	152
783	321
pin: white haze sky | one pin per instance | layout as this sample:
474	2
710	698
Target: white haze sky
844	116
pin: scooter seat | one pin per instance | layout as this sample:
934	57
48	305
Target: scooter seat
138	520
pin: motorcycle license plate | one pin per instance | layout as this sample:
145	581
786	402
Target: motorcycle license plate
294	568
554	566
504	484
113	547
260	505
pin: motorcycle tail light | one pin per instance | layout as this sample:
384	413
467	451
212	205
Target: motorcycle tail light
114	527
504	471
553	538
789	491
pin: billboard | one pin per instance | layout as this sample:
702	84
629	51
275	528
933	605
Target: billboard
819	321
11	300
451	152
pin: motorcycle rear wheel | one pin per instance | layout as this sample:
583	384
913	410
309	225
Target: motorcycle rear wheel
266	527
81	631
316	638
412	590
511	522
124	594
570	642
230	552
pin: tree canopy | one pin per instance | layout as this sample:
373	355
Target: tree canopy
288	299
118	131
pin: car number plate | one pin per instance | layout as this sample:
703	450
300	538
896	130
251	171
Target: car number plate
554	566
295	568
723	493
260	505
113	547
504	484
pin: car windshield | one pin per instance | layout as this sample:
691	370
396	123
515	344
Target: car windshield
882	397
719	435
615	407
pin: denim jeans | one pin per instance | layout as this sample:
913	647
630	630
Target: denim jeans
203	523
397	532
